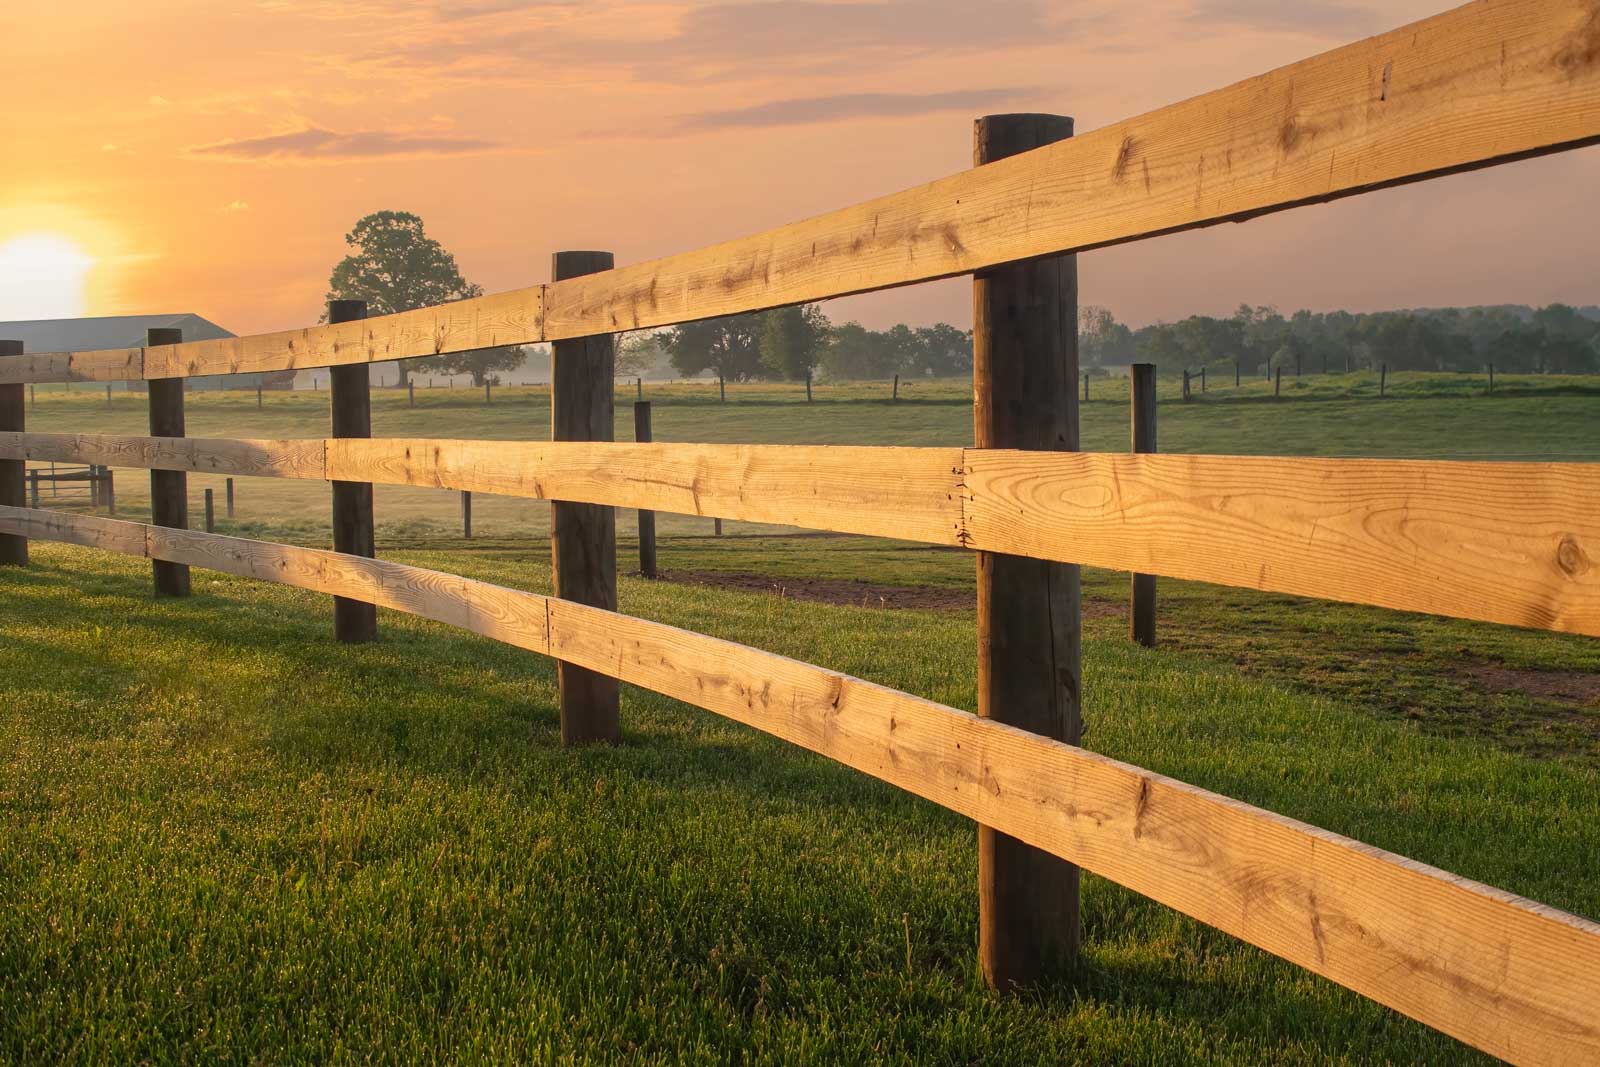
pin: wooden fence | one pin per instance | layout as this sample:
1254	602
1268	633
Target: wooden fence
1493	81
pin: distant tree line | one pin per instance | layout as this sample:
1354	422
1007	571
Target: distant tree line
1556	339
792	344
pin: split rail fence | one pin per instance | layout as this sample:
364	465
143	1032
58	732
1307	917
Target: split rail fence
1512	543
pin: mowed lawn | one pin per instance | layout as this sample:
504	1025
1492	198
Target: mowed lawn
229	839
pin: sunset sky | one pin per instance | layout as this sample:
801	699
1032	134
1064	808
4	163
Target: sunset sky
172	156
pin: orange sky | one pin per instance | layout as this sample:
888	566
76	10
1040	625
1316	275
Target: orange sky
210	156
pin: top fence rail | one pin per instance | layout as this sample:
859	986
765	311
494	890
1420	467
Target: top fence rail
1482	84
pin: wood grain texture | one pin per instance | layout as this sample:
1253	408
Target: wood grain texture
909	493
354	531
1514	978
513	317
291	458
1486	82
1515	543
13	471
169	489
101	365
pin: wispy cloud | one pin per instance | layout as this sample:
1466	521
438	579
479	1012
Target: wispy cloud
313	144
1331	17
233	207
813	109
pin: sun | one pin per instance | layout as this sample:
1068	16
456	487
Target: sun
43	276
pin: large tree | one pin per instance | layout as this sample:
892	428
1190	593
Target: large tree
792	340
395	266
729	345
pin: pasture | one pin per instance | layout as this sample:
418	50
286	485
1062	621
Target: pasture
241	836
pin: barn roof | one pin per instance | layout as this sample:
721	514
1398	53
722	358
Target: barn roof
110	331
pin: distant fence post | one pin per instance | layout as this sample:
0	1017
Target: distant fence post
466	514
1491	379
583	537
716	527
350	405
1236	374
647	519
13	479
1383	379
169	490
487	385
1142	594
808	385
258	395
228	495
108	394
1186	385
108	490
894	397
1085	388
33	480
638	385
1025	369
211	511
722	389
1202	379
411	393
1277	383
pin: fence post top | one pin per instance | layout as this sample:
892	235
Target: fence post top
346	310
163	335
995	137
574	263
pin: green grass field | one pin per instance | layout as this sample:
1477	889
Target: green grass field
230	840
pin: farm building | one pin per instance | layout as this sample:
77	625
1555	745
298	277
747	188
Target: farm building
129	331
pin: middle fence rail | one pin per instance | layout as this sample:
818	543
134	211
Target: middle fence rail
1493	542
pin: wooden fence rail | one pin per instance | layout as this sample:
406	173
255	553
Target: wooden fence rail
1512	977
1510	543
1491	81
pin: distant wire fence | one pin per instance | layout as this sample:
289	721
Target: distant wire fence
1511	543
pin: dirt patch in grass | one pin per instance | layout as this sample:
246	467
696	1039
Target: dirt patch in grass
858	593
1567	687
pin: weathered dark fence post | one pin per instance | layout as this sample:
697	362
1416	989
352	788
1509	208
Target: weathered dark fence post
808	385
169	490
211	511
894	397
228	496
33	397
647	519
13	477
1277	383
350	404
487	398
108	394
1236	374
1383	379
716	527
33	478
583	537
1186	385
466	514
638	384
1142	595
108	491
411	393
1025	367
1202	379
1491	379
722	389
1086	388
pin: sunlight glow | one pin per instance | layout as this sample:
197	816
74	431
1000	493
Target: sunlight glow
42	276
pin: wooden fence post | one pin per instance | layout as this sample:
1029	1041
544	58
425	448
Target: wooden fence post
1383	379
487	398
33	396
411	393
1142	594
228	495
466	514
722	389
1277	383
258	396
1025	367
13	477
638	384
647	519
1236	374
33	478
808	385
1202	379
211	511
716	527
108	394
894	397
350	407
583	537
169	490
108	490
1086	388
1186	385
1491	379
